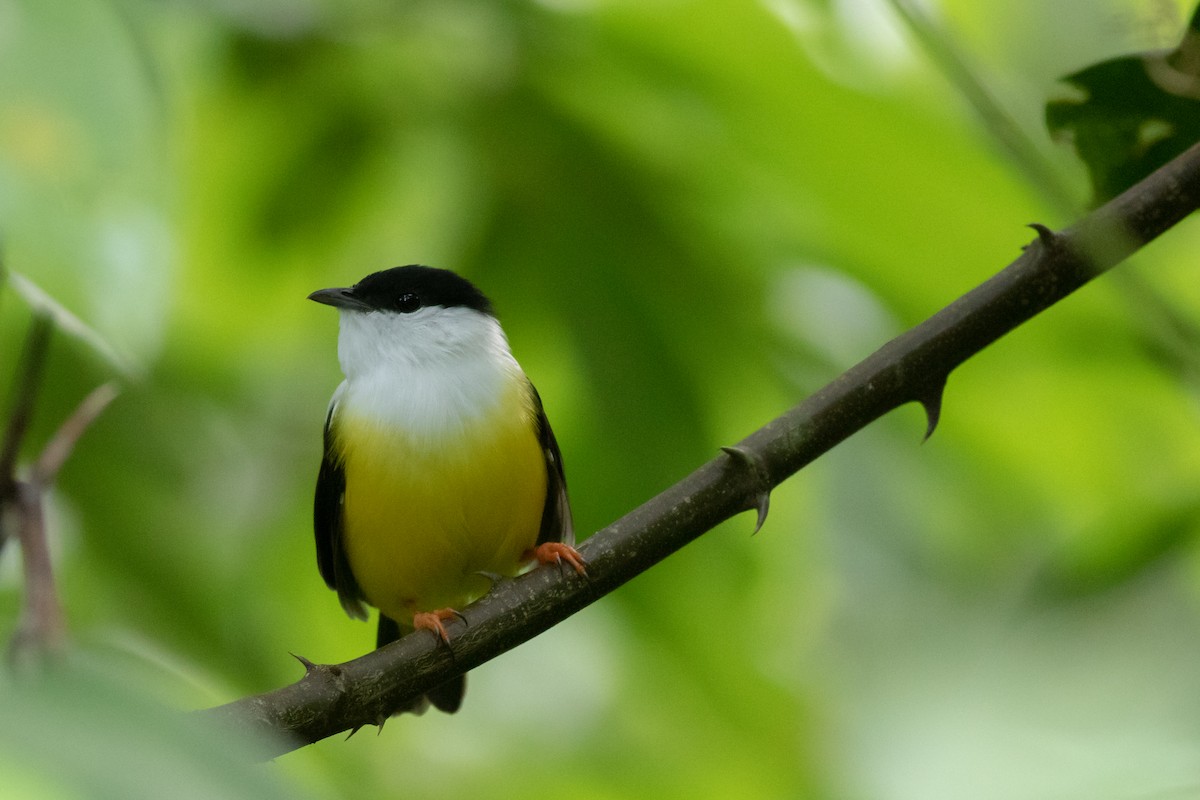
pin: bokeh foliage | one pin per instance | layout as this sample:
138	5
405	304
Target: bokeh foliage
1135	113
689	215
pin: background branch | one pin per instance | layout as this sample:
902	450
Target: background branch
912	367
42	629
29	378
58	449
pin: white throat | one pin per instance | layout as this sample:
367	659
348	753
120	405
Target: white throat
429	374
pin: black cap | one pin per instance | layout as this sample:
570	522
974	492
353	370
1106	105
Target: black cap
402	290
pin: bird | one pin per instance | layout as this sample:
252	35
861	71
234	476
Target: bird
440	472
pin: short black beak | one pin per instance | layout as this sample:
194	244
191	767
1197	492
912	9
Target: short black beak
339	298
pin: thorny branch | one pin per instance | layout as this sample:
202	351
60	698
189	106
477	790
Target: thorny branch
912	367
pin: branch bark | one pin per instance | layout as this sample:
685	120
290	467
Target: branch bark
913	367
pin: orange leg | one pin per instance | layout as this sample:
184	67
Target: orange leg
432	621
557	553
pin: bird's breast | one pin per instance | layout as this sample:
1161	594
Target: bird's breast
436	497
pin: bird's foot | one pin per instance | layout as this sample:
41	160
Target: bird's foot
432	621
557	553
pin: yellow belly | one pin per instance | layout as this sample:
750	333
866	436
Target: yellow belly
421	523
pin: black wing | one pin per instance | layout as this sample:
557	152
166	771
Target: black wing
556	513
327	524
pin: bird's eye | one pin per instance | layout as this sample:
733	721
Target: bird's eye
408	302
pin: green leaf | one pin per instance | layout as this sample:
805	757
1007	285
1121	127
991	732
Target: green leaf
83	728
1138	112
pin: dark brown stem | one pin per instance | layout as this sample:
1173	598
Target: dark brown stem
42	631
28	379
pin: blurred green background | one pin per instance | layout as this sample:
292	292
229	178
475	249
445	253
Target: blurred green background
689	216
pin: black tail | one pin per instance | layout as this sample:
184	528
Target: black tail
445	697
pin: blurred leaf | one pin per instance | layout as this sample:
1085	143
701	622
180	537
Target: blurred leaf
1137	113
1117	554
88	730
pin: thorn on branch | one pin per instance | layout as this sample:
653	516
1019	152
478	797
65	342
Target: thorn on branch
762	498
1047	237
308	665
931	401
